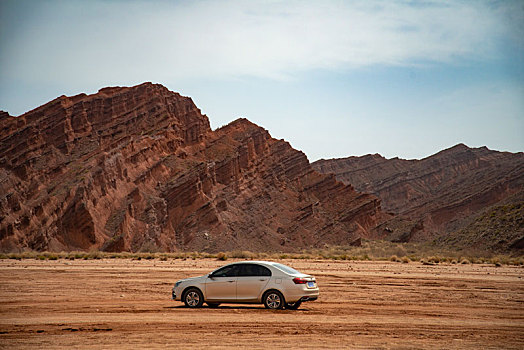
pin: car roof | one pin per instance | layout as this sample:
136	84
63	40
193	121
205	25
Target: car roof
270	264
262	262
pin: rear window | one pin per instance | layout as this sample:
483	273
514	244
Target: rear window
287	269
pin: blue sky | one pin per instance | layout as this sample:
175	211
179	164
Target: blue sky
334	78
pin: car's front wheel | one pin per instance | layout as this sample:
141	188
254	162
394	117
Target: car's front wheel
274	300
193	298
293	306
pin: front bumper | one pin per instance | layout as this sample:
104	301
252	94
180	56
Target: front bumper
173	294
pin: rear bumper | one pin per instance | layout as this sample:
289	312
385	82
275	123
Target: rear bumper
302	295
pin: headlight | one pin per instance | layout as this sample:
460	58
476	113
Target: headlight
178	283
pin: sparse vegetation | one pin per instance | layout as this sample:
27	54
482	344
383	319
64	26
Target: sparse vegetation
222	256
370	250
426	262
237	254
498	229
435	259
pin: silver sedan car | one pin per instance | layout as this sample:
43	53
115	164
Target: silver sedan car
252	282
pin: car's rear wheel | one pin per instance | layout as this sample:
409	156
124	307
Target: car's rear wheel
213	305
293	306
274	300
193	298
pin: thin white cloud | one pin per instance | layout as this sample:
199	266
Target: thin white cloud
120	41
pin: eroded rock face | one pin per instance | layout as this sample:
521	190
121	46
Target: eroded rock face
436	195
140	169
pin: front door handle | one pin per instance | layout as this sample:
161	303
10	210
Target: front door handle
231	281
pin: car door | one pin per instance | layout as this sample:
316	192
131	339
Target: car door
221	285
251	280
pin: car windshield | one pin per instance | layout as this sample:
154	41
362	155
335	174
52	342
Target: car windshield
287	269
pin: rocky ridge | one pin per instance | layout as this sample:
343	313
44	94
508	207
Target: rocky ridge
139	168
438	195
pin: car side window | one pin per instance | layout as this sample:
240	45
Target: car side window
263	271
248	270
227	271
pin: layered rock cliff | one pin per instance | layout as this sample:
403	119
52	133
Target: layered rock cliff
138	168
437	195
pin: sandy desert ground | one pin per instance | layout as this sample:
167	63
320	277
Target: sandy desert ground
126	304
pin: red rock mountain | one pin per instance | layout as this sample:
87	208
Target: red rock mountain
138	168
437	195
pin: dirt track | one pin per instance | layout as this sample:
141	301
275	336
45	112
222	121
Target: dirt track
378	305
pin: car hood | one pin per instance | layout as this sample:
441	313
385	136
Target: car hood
192	279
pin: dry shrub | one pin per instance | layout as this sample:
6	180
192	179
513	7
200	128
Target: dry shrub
244	254
426	262
222	256
434	259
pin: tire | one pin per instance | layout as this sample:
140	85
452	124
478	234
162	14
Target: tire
274	300
213	305
193	298
293	306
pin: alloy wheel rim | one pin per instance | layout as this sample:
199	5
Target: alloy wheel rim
192	298
273	301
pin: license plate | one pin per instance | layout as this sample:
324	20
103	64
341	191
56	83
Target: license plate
311	284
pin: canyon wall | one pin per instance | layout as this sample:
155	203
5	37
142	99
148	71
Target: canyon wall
441	194
139	169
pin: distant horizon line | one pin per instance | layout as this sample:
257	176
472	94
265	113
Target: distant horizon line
459	144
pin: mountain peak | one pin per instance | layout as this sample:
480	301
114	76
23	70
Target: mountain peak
133	168
438	194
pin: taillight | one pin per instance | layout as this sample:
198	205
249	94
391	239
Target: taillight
300	280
